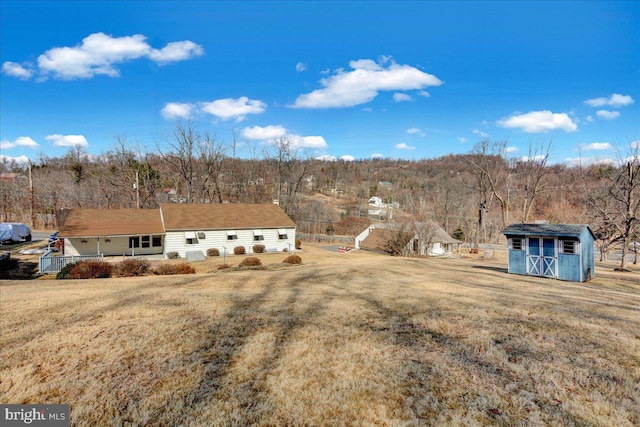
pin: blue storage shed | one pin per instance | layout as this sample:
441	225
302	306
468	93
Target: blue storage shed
561	251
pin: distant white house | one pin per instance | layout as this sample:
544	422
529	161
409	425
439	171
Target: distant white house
422	238
378	209
177	227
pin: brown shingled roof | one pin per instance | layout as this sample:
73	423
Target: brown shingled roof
378	237
179	216
111	222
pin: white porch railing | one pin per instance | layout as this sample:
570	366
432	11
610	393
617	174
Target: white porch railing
53	264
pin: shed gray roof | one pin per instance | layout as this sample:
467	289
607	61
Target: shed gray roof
546	229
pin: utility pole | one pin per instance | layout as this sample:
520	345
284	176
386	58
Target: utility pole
137	187
31	197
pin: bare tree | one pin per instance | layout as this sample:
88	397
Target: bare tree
617	205
492	171
534	170
211	156
290	173
181	158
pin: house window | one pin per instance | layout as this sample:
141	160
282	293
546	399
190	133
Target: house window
146	241
516	244
190	237
282	234
569	247
257	235
134	242
232	235
156	241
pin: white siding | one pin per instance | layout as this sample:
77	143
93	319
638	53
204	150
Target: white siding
360	237
175	241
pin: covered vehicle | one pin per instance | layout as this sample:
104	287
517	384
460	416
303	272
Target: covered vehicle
14	232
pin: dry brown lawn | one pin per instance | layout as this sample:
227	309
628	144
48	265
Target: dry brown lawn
343	339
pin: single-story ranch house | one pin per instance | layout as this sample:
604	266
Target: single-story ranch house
177	227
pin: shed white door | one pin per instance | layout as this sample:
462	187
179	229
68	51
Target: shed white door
542	257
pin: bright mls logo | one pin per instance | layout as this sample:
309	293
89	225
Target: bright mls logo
36	415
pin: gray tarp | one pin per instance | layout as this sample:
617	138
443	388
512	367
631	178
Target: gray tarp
13	231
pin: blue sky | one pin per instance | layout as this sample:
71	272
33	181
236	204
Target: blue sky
344	80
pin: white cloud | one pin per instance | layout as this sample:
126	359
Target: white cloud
230	108
301	66
597	146
99	54
480	133
401	97
586	161
511	150
362	85
176	51
20	159
308	141
376	156
271	133
635	145
415	131
608	115
347	158
404	146
327	158
177	110
536	158
590	119
22	141
17	70
462	139
424	93
67	140
266	133
539	122
616	100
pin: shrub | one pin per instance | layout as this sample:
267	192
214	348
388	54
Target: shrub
131	268
258	249
458	233
298	244
285	250
171	269
65	270
250	262
91	270
293	259
213	252
239	250
173	255
224	266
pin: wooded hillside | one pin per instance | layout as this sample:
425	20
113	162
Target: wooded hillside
479	193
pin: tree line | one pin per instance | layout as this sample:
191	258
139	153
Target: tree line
479	192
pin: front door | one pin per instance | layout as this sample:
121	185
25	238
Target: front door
549	258
542	258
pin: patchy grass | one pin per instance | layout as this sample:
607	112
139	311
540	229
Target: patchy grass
355	339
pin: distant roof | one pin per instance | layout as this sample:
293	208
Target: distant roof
546	229
111	222
378	237
206	216
431	229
